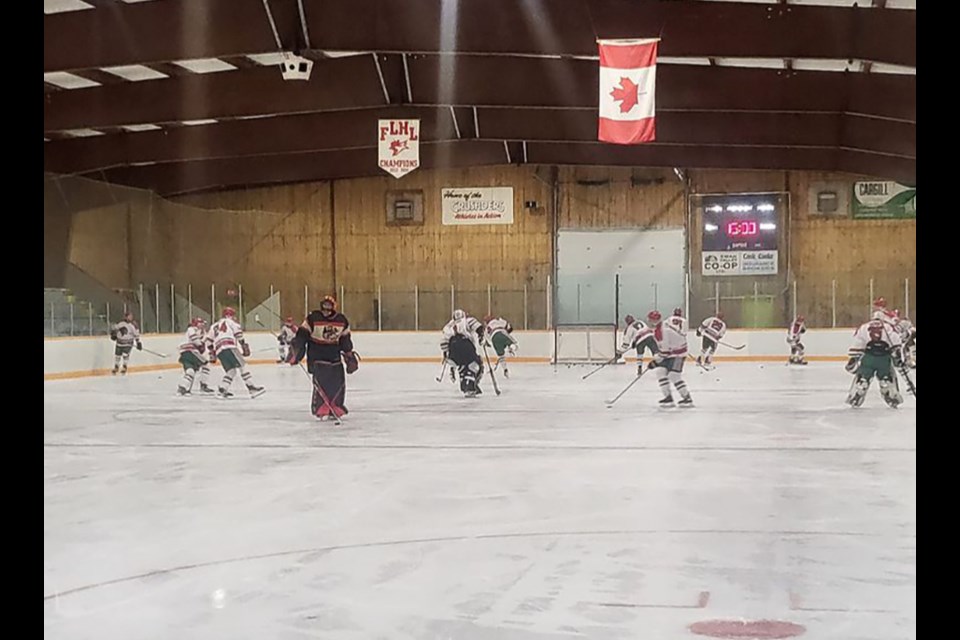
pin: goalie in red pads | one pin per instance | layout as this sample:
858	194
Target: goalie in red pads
324	338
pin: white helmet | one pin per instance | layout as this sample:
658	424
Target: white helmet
459	314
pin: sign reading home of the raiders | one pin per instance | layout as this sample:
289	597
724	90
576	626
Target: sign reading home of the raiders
477	205
398	143
884	200
739	263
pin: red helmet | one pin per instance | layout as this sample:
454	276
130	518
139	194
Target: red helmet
629	319
229	312
719	315
289	320
800	318
880	303
329	303
654	316
198	322
678	312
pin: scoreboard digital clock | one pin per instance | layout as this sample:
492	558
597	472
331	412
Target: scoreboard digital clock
741	232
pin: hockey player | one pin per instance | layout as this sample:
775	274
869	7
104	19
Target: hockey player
230	349
284	338
126	334
636	335
191	357
460	344
499	334
794	333
671	341
324	338
711	331
908	335
875	351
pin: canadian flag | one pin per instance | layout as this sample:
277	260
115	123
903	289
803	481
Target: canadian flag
628	74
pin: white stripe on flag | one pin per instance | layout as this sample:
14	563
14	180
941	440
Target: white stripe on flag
645	81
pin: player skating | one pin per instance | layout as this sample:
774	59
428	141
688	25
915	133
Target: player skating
876	350
192	358
461	345
126	334
230	349
325	339
287	332
795	339
711	331
500	334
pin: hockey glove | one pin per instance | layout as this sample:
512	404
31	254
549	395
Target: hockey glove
512	349
699	333
652	364
352	361
245	349
139	346
113	334
280	339
853	364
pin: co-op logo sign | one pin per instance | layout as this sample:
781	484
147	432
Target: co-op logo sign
721	263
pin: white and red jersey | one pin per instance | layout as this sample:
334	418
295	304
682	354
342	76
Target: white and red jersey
671	337
906	329
287	332
467	326
227	334
714	328
499	325
875	338
127	333
194	341
634	336
795	331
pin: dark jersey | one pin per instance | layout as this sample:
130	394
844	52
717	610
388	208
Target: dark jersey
323	338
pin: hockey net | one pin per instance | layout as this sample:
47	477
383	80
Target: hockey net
584	343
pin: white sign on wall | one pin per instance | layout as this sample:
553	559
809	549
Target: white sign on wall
477	205
739	263
398	146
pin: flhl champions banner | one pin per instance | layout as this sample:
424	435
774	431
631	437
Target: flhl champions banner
398	143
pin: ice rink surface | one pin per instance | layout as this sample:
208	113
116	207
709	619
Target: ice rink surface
535	515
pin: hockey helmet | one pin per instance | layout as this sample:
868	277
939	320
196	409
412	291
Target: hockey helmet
719	315
288	321
329	303
654	316
880	303
229	312
198	322
800	318
459	314
678	312
629	319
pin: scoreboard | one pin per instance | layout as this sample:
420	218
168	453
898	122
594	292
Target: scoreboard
741	233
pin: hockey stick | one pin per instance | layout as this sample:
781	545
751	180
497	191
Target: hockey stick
159	355
610	403
442	371
611	361
492	377
732	346
912	388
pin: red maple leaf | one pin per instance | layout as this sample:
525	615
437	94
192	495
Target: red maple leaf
397	146
627	92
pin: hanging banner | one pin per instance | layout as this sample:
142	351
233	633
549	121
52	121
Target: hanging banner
884	200
398	143
477	205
